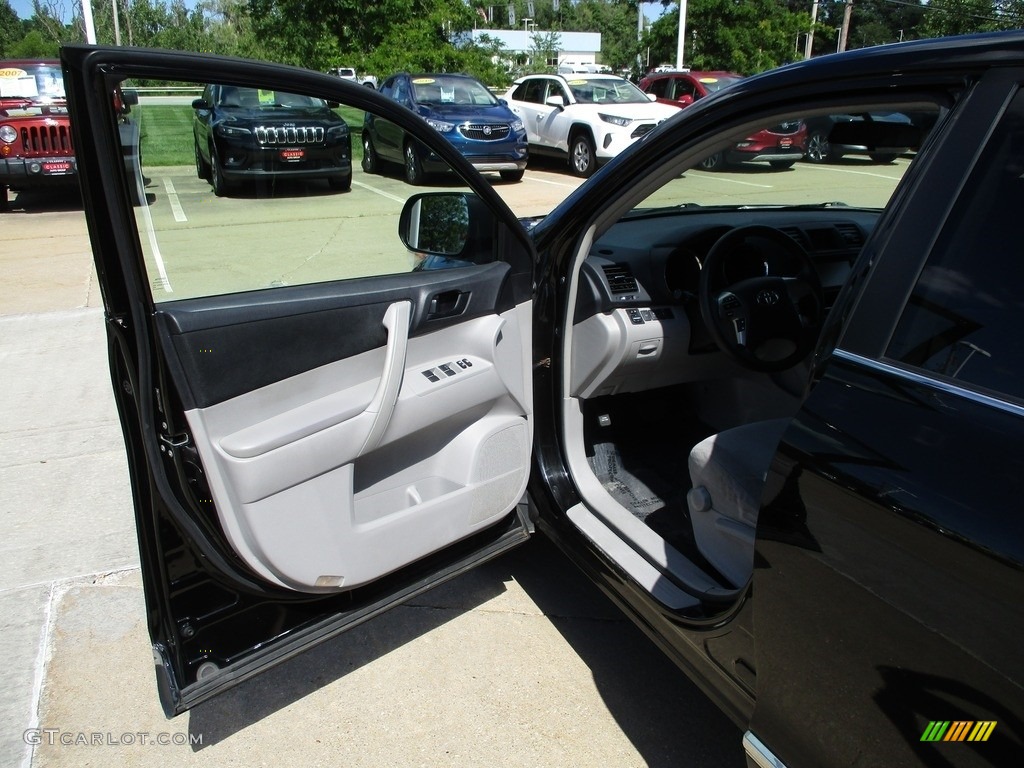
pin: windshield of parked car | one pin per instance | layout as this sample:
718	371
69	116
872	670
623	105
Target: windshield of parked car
714	83
605	90
438	90
260	98
40	84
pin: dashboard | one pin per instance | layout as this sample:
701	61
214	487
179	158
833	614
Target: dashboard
637	322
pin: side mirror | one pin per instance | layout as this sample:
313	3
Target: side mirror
685	100
130	97
651	97
435	223
555	101
200	104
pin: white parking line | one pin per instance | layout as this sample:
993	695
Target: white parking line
172	198
856	173
553	183
718	177
380	192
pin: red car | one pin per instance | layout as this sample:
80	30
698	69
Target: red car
780	146
36	149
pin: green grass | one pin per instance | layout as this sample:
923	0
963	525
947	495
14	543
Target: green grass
167	133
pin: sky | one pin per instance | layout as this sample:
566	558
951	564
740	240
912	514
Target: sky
24	7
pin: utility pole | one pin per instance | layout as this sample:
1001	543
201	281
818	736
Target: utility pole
90	27
809	44
844	31
682	34
117	23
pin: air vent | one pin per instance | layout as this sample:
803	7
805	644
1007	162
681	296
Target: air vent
797	234
620	278
851	234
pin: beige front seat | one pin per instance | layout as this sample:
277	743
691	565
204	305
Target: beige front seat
728	473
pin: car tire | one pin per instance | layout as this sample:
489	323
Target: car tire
221	187
340	183
782	165
715	162
371	163
512	175
582	158
883	158
202	167
413	165
818	148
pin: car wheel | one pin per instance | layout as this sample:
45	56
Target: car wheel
413	166
818	148
371	164
221	187
581	155
883	157
202	168
512	175
782	165
340	183
715	162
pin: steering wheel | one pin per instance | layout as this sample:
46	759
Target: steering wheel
765	322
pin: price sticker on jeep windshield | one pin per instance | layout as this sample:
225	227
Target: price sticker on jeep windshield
291	155
17	83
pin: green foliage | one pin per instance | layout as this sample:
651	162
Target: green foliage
11	30
747	37
35	46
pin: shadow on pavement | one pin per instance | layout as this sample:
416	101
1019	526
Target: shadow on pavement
667	719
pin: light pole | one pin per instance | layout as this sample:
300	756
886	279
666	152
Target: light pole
526	40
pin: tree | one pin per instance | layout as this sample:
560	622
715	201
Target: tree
746	37
11	30
959	17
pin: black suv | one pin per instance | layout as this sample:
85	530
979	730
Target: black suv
248	134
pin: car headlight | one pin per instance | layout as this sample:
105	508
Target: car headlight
8	134
517	126
337	130
439	125
232	130
622	122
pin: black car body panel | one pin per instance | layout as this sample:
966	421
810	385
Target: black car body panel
886	566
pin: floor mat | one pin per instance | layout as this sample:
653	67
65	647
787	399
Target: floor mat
652	489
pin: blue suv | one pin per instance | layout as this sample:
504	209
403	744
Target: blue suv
481	127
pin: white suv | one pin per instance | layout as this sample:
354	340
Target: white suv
587	118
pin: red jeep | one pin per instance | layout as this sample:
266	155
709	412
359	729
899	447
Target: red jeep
36	148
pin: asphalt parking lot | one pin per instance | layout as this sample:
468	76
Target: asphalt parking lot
521	662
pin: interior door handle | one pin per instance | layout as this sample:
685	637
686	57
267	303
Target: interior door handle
396	320
446	304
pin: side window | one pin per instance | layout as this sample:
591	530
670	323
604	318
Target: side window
685	88
963	319
388	88
657	87
269	188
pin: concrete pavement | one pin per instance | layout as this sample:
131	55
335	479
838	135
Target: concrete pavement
521	662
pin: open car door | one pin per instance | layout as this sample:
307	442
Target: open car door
323	378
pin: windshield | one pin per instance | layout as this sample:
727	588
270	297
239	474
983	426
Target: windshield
718	82
606	90
439	90
260	98
40	84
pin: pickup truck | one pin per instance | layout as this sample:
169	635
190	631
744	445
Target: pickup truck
348	73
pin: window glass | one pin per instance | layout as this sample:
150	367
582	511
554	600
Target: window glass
963	318
252	188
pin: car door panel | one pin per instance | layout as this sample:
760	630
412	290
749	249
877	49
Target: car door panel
303	456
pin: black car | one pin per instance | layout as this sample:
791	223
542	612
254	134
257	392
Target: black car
780	425
256	134
825	145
